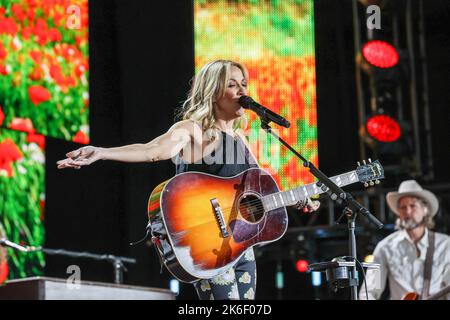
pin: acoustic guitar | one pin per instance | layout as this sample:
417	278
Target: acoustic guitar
202	224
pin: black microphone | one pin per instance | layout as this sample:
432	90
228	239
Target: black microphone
248	103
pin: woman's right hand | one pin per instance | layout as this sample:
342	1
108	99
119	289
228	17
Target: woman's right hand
81	157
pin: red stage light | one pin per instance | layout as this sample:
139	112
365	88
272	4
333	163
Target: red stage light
380	54
383	128
302	265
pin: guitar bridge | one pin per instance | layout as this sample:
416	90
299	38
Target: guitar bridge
219	218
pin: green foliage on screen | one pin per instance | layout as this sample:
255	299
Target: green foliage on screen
22	188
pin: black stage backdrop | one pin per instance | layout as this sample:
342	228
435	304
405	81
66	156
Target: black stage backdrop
141	62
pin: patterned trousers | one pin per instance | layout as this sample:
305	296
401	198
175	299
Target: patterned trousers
238	283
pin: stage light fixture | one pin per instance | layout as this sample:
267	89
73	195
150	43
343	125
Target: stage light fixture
380	54
383	128
302	265
174	285
316	278
279	280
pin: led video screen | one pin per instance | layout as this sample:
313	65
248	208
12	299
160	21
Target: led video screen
22	199
275	41
44	67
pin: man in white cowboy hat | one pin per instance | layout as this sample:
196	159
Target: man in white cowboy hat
407	257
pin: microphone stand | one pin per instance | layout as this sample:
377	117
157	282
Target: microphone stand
336	193
117	261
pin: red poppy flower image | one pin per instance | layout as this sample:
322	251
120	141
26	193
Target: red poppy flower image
8	26
39	139
3	70
37	73
54	35
18	12
21	124
4	271
3	52
38	94
9	153
41	31
56	74
36	56
42	209
81	137
2	116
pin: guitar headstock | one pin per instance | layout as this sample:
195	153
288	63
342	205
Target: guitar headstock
370	173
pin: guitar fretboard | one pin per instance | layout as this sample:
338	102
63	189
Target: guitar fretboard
300	194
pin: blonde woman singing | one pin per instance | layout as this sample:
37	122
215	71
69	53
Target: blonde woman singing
209	139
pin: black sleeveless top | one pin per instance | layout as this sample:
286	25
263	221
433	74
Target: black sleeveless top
230	158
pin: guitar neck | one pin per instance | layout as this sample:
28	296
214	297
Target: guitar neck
300	194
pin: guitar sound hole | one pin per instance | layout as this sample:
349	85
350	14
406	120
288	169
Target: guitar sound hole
251	208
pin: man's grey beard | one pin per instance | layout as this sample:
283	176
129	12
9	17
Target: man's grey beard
408	224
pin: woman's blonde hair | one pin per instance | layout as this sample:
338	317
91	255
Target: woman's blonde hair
209	84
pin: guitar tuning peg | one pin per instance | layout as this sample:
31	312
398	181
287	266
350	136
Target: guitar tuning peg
370	160
377	181
364	162
366	184
372	183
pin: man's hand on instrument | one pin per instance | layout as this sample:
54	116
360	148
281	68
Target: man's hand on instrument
81	157
309	206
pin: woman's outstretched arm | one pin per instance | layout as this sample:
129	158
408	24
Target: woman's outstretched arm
161	148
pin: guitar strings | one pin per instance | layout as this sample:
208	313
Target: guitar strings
259	209
257	202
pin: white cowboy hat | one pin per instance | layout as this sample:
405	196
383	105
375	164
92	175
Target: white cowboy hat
410	188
